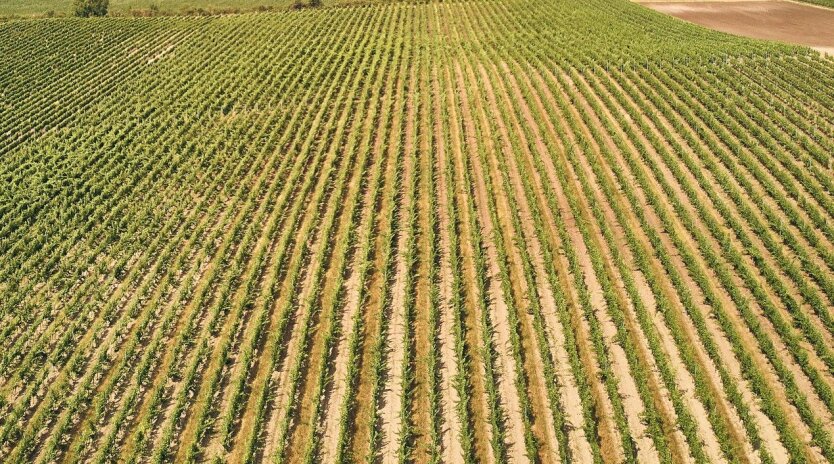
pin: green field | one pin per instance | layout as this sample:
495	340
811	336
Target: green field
470	231
825	3
18	8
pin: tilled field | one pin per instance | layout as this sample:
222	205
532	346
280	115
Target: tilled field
485	231
785	21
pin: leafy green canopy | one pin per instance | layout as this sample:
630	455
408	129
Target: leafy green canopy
87	8
59	75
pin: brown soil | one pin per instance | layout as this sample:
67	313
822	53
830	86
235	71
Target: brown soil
771	20
425	330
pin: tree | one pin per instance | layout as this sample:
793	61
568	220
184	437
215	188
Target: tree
87	8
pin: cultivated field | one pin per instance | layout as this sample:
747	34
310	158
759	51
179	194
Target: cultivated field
785	21
62	8
479	231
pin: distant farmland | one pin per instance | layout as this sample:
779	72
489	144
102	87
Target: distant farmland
478	231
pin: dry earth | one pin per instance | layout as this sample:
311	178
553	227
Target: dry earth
771	20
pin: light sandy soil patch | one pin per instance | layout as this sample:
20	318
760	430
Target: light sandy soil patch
424	355
771	20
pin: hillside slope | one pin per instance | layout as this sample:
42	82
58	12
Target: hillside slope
481	231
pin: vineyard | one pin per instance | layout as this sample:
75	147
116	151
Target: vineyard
42	8
472	231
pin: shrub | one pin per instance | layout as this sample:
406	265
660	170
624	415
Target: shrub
87	8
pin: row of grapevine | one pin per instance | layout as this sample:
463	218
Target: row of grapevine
475	231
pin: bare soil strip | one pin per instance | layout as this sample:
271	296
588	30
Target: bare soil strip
426	298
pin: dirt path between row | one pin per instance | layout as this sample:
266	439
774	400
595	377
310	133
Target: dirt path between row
426	319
